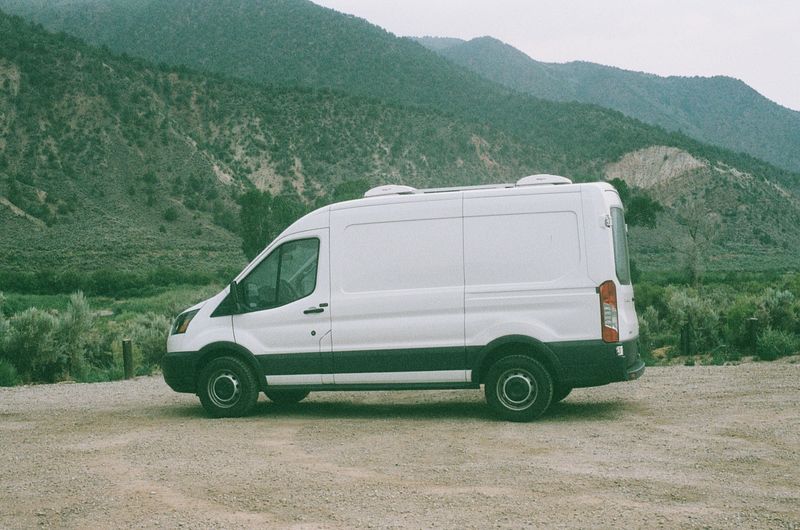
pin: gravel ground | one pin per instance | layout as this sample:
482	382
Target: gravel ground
681	447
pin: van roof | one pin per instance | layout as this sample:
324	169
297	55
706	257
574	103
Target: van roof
532	180
398	194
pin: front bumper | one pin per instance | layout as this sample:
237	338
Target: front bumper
179	371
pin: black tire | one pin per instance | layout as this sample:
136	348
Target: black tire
227	388
286	397
518	388
560	392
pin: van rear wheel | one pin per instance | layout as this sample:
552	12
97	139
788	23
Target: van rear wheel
286	397
518	388
227	388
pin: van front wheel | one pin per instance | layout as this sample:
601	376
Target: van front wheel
227	388
518	388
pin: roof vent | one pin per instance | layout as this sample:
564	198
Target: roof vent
538	180
390	189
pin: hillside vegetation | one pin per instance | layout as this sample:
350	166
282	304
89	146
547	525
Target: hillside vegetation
718	110
110	163
295	42
106	161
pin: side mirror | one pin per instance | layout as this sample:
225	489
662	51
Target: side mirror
234	294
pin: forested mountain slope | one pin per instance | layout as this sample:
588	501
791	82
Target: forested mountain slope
110	162
718	110
107	161
295	42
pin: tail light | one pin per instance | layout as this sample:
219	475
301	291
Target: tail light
608	311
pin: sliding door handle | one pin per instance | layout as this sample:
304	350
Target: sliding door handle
312	310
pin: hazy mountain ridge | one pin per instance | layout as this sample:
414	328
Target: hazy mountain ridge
290	42
110	161
115	162
719	110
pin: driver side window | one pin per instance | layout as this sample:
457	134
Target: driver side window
288	274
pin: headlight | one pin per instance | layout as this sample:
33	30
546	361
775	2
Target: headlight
182	322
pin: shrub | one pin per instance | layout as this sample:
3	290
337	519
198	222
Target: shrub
30	345
649	294
149	335
775	343
8	374
695	319
72	332
171	214
3	321
736	318
722	354
653	333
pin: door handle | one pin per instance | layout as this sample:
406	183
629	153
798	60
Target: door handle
312	310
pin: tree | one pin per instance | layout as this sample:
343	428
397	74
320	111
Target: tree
263	217
700	229
170	214
640	208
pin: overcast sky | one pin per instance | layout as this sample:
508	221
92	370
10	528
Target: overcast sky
757	41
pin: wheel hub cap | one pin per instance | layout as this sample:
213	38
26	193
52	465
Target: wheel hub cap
224	389
517	389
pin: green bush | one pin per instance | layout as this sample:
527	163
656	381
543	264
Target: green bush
3	321
775	343
170	214
653	333
30	345
72	332
649	294
8	374
737	314
695	320
149	335
778	309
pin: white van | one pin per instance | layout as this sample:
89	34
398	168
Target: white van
524	288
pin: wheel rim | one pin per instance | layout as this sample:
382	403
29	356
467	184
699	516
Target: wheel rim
517	389
224	389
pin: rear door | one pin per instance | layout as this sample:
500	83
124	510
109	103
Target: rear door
628	322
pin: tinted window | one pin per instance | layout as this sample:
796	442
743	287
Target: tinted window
289	273
621	259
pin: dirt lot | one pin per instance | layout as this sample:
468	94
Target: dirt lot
683	446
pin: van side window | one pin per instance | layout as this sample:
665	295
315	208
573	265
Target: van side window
288	274
621	259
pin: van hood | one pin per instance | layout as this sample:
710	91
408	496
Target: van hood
196	306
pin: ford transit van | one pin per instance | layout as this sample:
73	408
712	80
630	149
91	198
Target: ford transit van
524	289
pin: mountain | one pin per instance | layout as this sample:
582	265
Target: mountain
297	43
746	223
112	162
282	42
718	110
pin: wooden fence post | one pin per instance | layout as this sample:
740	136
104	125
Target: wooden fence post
752	334
127	358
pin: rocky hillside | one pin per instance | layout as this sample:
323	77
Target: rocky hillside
718	110
295	42
110	162
745	222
